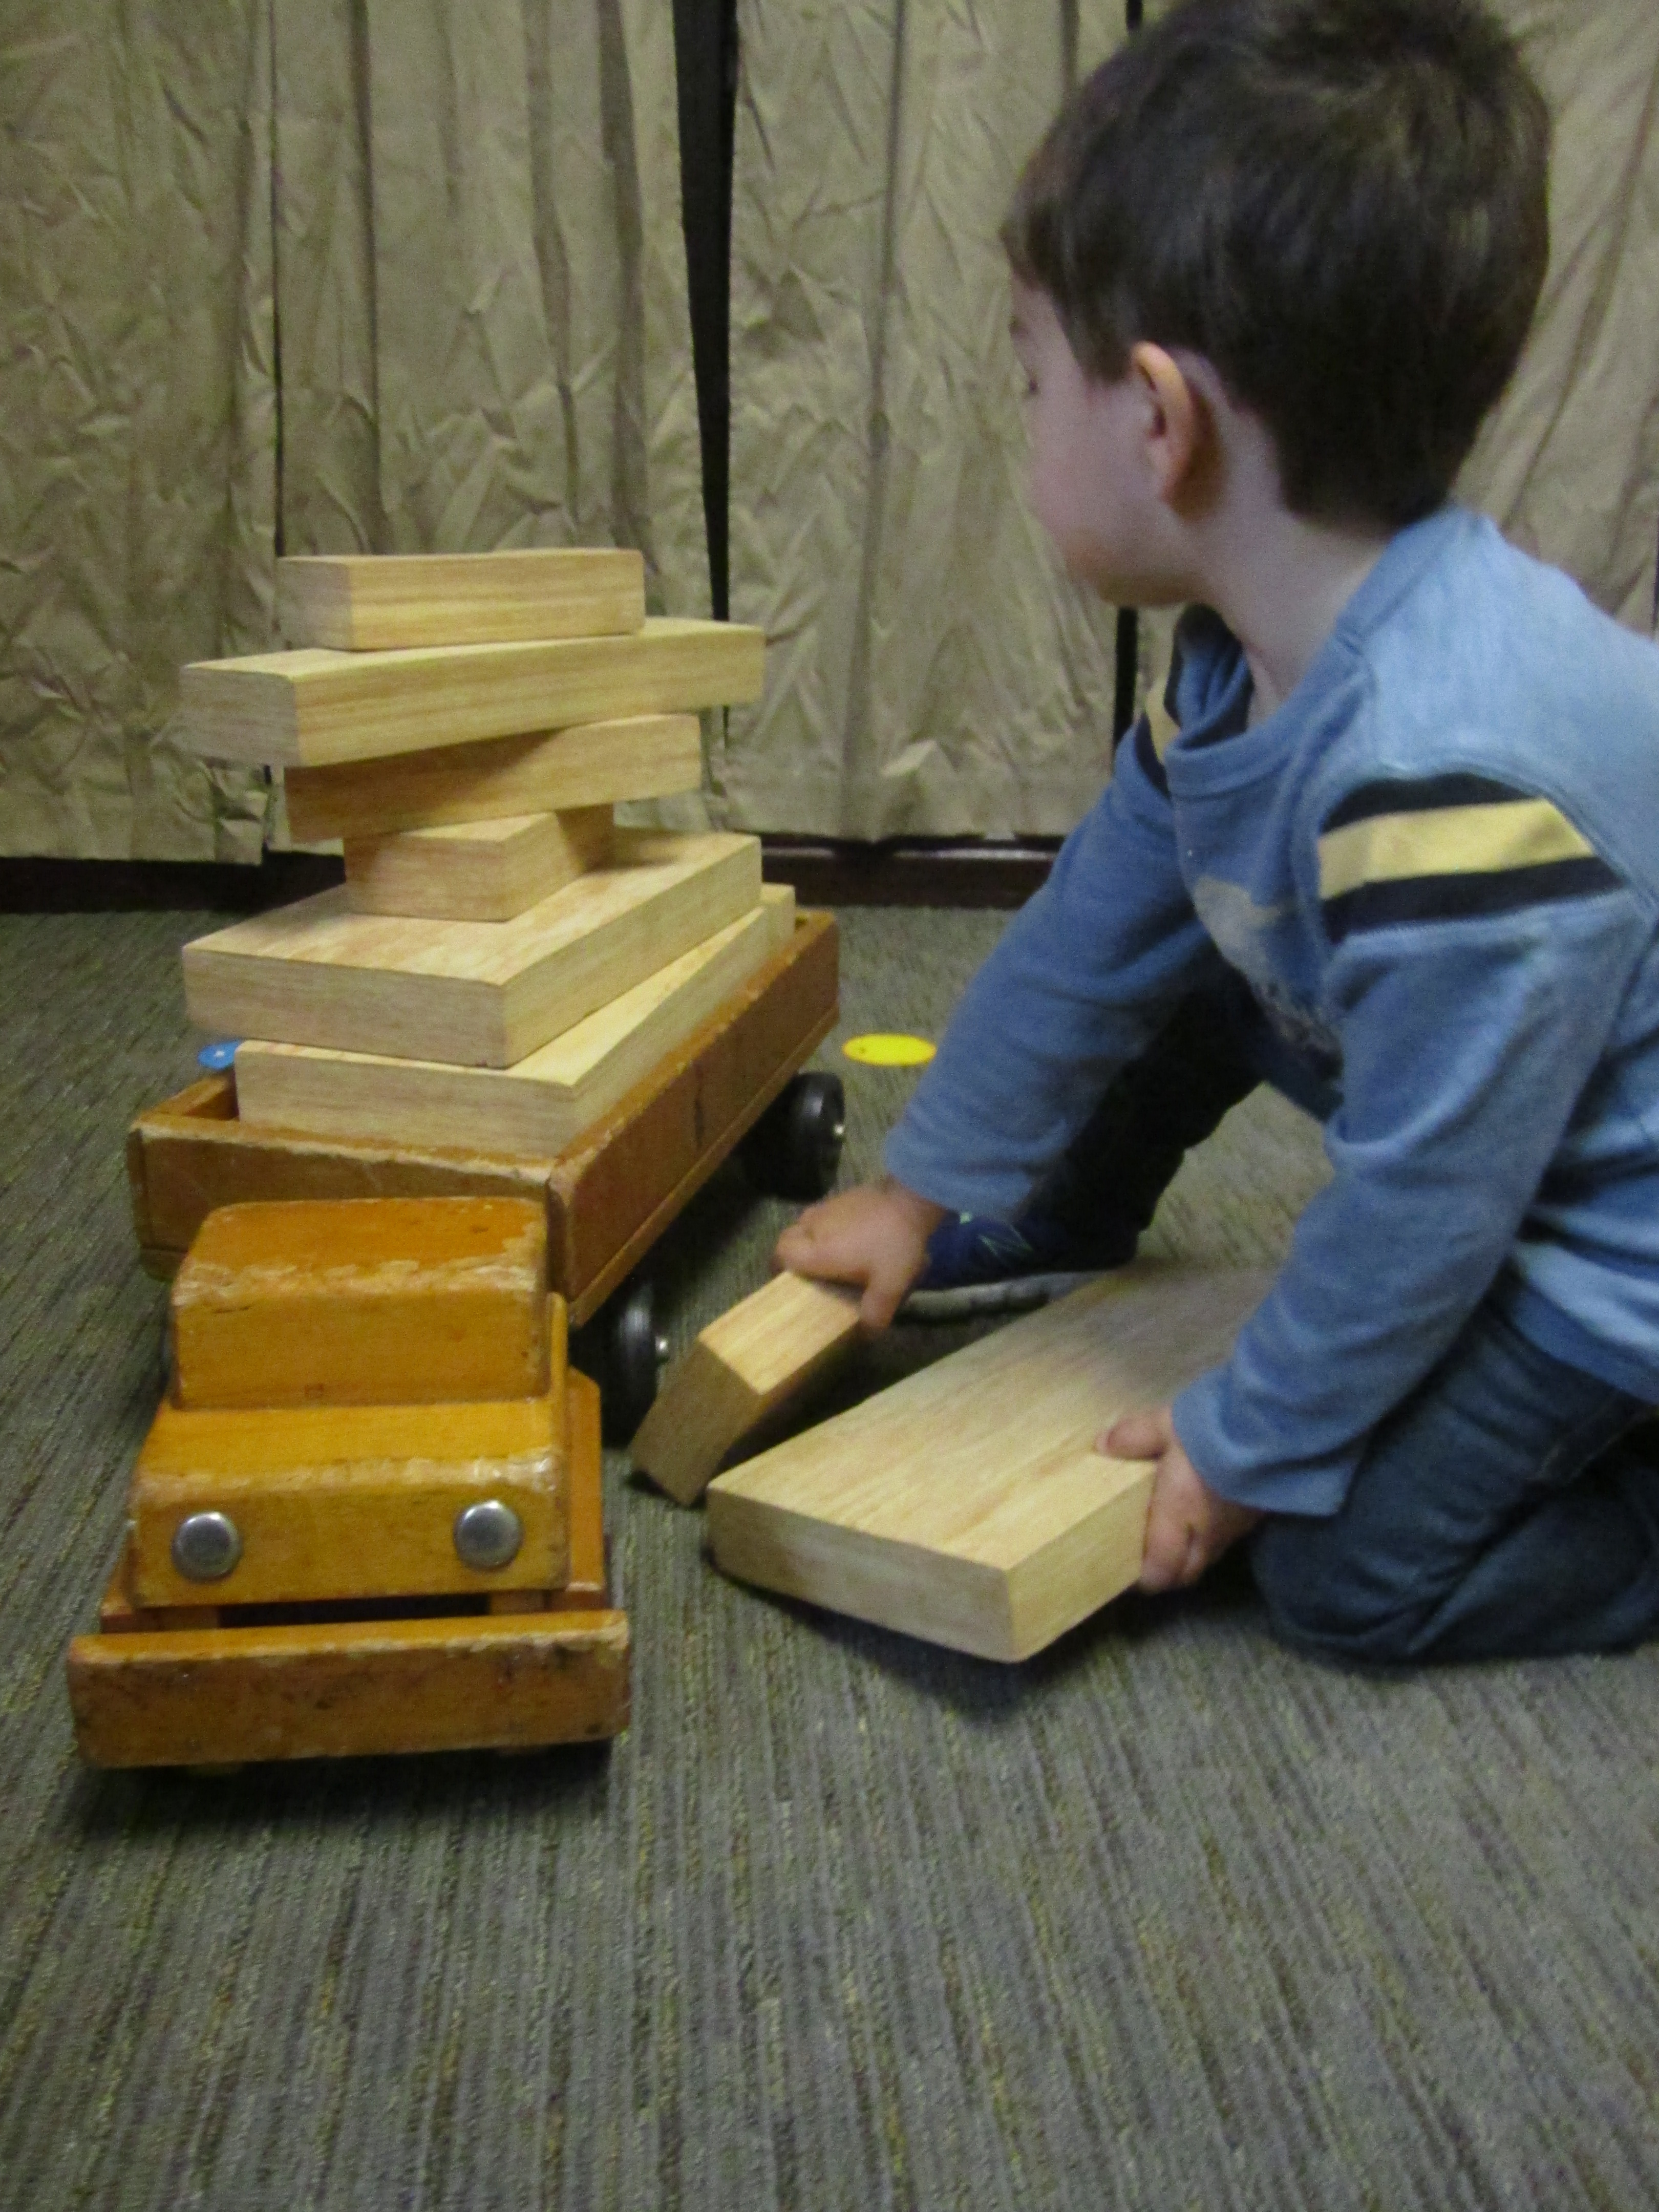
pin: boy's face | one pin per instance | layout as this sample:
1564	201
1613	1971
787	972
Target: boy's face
1091	486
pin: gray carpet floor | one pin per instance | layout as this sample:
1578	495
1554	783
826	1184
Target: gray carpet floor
1165	1918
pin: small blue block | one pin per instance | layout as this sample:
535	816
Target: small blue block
219	1054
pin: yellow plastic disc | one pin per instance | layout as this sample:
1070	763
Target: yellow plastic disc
887	1051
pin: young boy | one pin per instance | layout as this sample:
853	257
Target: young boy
1391	838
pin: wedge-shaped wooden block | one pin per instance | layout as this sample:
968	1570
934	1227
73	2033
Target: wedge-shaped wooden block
965	1504
546	1101
475	871
472	993
332	1502
217	1697
310	706
377	1302
365	602
595	764
744	1368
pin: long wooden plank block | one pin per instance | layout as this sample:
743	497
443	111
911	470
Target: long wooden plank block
743	1370
365	602
594	764
475	993
216	1697
477	870
311	706
544	1102
964	1505
608	1196
378	1302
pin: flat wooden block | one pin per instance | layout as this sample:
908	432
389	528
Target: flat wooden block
357	602
351	1501
472	993
744	1368
312	707
965	1506
595	764
378	1302
608	1195
218	1697
544	1103
475	871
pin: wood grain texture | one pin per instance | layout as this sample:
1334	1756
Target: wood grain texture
473	993
217	1697
544	1103
587	1585
477	870
363	602
765	1354
965	1506
311	708
352	1501
595	764
380	1302
608	1196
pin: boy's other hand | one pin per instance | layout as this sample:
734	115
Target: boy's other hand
1187	1526
875	1235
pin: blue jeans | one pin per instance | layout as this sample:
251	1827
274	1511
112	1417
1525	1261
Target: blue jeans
1506	1509
1503	1509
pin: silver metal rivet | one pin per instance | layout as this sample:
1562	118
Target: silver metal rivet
206	1546
660	1348
488	1535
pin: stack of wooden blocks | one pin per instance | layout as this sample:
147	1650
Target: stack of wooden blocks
367	1517
503	963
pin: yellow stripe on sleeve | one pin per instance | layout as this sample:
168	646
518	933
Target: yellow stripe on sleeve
1447	841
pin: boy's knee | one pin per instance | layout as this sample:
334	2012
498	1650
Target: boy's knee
1322	1598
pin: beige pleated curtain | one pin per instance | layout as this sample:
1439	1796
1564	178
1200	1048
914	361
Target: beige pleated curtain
409	274
929	672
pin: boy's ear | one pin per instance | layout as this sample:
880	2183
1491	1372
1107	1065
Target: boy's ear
1177	422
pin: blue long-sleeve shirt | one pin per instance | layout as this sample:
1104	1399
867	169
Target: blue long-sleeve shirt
1437	865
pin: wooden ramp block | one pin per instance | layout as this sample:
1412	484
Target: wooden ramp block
365	602
548	1099
744	1369
312	707
378	1302
965	1506
216	1697
472	993
595	764
475	871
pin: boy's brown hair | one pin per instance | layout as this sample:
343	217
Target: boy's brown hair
1342	204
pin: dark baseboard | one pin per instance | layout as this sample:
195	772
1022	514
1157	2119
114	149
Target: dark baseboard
43	886
909	871
900	871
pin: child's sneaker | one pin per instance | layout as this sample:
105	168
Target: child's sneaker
978	1265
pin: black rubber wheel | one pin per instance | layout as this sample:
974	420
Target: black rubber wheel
620	1350
793	1150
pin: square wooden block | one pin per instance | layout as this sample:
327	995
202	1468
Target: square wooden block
477	870
378	1301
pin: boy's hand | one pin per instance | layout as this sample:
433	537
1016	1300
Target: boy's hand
1188	1527
875	1235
